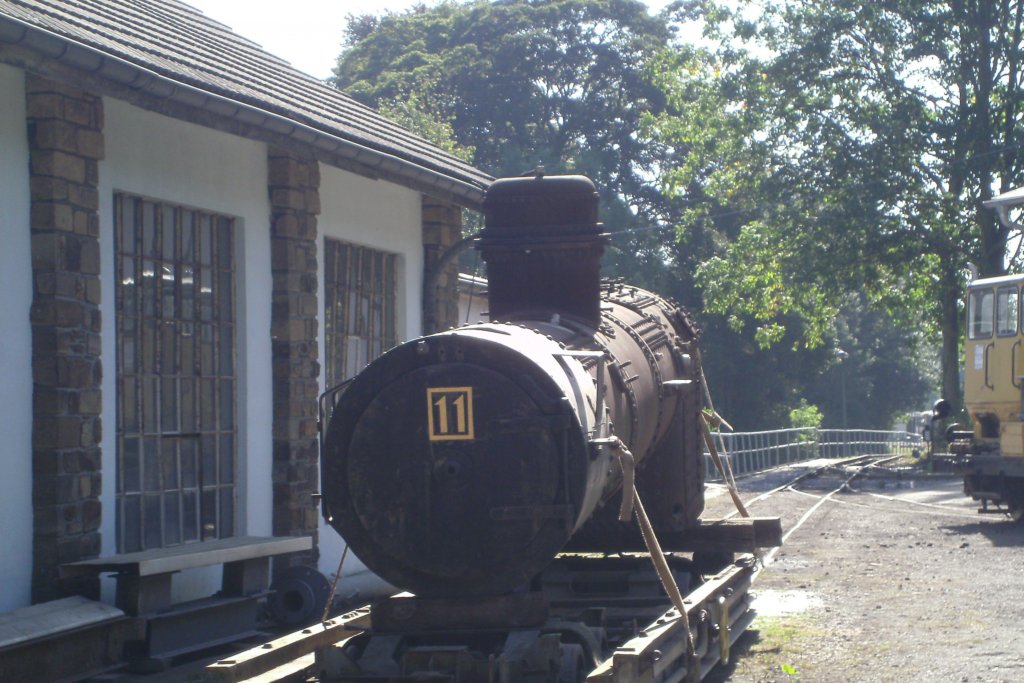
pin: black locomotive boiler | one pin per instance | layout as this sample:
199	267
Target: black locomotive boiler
460	464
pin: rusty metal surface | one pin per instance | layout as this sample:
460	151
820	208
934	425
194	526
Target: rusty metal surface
542	243
482	504
453	465
461	463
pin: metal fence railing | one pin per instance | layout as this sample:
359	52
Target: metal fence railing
756	451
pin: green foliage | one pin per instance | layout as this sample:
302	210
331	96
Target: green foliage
759	278
561	83
765	216
805	416
886	368
854	142
557	82
426	122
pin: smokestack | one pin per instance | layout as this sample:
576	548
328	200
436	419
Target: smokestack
542	244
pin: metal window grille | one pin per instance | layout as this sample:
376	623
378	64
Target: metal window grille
176	374
359	302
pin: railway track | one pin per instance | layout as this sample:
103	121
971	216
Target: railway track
845	473
873	555
858	463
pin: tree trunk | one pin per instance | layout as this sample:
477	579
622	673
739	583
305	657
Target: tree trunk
985	147
951	342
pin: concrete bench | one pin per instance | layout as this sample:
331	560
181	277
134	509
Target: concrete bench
70	637
144	588
144	578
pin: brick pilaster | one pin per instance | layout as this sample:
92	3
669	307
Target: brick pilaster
442	227
66	143
294	203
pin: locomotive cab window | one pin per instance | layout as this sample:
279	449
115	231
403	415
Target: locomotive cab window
980	313
1006	311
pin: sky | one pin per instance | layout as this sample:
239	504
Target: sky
306	33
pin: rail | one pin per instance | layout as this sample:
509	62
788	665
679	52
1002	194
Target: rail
756	451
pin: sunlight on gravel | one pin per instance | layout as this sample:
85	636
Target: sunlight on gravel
773	603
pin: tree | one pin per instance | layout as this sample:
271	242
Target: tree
414	115
805	416
884	369
862	139
558	83
601	87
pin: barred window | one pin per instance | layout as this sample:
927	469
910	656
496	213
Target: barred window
176	374
359	302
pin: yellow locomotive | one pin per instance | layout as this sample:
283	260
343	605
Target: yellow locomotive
991	457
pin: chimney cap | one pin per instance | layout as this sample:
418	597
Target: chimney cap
538	203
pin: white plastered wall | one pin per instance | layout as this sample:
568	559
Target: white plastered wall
173	161
15	346
387	217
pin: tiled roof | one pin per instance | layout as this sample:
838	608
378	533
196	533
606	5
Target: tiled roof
179	43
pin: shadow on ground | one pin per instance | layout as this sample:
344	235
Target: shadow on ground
1002	533
723	672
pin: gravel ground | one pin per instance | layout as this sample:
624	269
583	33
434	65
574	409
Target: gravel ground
895	580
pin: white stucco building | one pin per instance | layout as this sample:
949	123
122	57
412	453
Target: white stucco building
197	240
